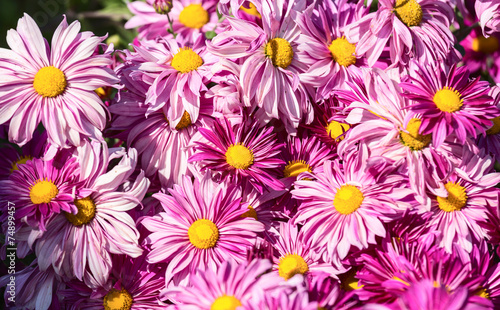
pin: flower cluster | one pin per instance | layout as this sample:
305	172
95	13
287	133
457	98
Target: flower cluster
256	154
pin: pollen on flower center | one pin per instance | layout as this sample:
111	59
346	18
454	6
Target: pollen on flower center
280	51
343	52
347	199
456	200
194	16
485	45
225	302
250	213
448	99
22	160
251	10
49	82
412	138
296	167
203	234
292	264
239	156
86	212
482	292
43	191
336	129
495	129
409	12
184	122
186	60
117	300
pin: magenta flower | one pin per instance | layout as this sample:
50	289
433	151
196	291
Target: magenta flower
54	87
482	55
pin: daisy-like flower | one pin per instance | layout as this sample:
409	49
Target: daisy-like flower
471	190
201	228
449	102
482	55
489	15
417	29
41	189
176	73
228	287
331	57
293	255
270	62
54	87
240	153
189	18
491	141
79	244
347	205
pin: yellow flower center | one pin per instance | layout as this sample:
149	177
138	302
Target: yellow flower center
349	282
184	122
43	192
336	129
117	300
280	51
343	52
448	100
226	302
239	156
412	138
456	200
250	213
485	45
203	234
251	10
482	292
347	199
186	60
22	160
290	265
86	212
49	82
409	12
495	128
194	16
296	167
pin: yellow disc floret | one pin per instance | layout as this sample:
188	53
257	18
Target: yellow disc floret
495	129
43	191
225	302
343	52
412	138
186	60
485	45
86	212
409	12
203	234
239	156
117	300
296	167
250	213
336	130
49	82
280	51
456	200
184	122
251	10
448	99
194	16
292	264
22	160
347	199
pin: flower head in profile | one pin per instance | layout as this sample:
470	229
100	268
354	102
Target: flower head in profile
53	86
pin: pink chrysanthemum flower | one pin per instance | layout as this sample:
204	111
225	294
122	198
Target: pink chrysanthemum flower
189	18
41	189
270	62
176	73
471	191
11	158
449	102
482	55
331	57
417	29
54	87
490	142
201	228
79	244
488	12
347	205
293	255
329	125
229	287
486	268
240	153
